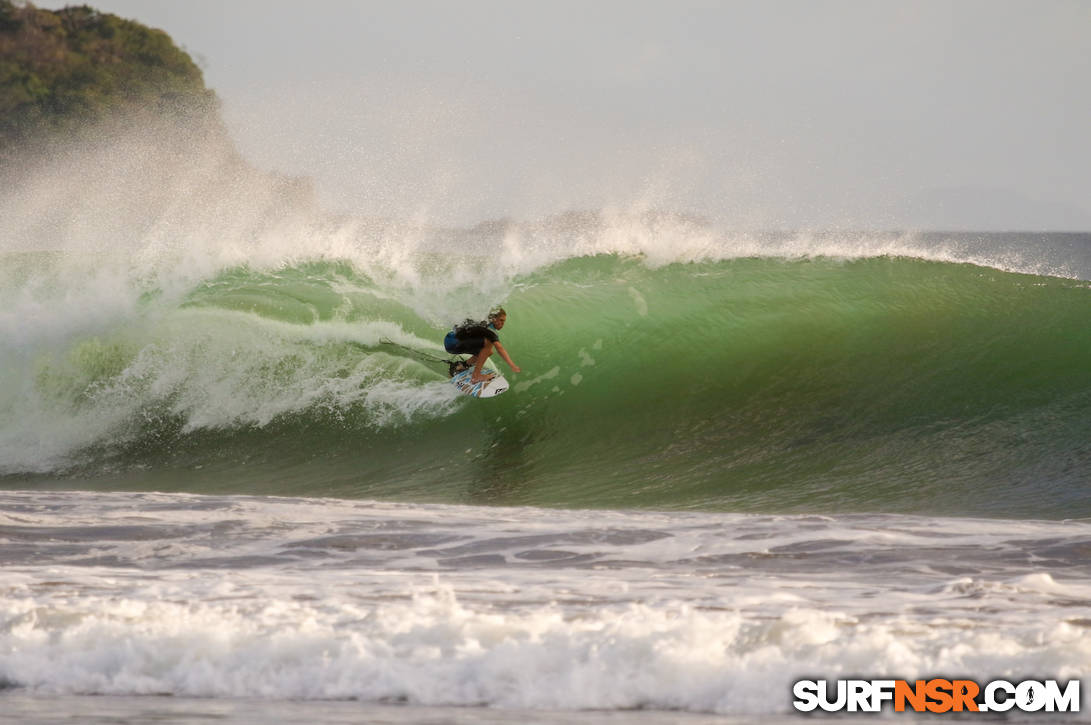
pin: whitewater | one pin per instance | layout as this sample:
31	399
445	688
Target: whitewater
732	460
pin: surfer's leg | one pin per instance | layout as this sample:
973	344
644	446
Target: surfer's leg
478	360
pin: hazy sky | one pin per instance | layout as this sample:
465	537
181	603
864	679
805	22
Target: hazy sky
778	113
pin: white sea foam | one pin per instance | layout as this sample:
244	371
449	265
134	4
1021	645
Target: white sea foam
442	605
211	370
434	650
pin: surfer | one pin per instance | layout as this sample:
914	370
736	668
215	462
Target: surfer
478	339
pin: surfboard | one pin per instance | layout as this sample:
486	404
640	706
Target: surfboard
487	389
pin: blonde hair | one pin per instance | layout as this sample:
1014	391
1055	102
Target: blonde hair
497	312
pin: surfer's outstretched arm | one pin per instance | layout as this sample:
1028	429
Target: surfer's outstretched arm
507	358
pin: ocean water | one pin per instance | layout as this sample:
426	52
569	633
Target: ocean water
731	461
516	609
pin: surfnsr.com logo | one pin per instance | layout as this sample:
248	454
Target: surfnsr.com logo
936	695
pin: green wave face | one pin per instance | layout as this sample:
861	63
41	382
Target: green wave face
752	384
805	385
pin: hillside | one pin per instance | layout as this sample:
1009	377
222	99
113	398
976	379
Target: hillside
68	70
91	100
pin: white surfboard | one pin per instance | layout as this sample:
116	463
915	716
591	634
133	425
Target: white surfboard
488	389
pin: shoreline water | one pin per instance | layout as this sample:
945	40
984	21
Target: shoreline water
521	609
152	710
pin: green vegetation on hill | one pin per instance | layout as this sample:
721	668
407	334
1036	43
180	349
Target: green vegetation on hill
68	69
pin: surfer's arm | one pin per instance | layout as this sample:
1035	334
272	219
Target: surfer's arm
507	358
